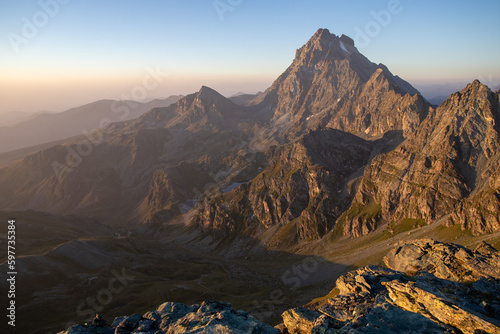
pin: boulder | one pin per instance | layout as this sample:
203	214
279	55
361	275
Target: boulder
417	299
303	321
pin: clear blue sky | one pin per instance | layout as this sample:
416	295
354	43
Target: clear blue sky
87	50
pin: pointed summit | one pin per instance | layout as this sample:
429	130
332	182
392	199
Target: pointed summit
209	94
205	88
469	117
330	83
195	111
209	99
324	45
475	86
209	106
323	34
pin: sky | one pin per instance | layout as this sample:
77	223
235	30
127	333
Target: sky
57	54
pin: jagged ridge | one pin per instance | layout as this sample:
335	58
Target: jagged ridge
331	84
450	163
299	195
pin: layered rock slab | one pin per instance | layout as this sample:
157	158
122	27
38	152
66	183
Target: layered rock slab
439	288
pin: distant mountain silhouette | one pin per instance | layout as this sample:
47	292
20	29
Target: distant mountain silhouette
47	127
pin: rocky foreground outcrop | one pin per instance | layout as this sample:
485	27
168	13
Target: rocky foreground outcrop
429	287
439	288
446	261
208	317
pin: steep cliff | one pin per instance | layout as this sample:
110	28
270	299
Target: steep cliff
299	195
450	166
330	83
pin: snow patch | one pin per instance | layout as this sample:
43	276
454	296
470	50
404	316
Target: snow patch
231	187
189	204
92	279
343	47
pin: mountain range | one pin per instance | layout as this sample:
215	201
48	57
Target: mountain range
334	163
47	127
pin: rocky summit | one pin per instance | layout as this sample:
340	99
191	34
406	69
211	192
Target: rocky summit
330	83
427	287
447	169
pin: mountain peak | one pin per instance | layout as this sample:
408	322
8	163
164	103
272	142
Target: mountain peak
326	36
474	91
214	104
208	92
476	85
324	45
323	38
209	95
323	34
